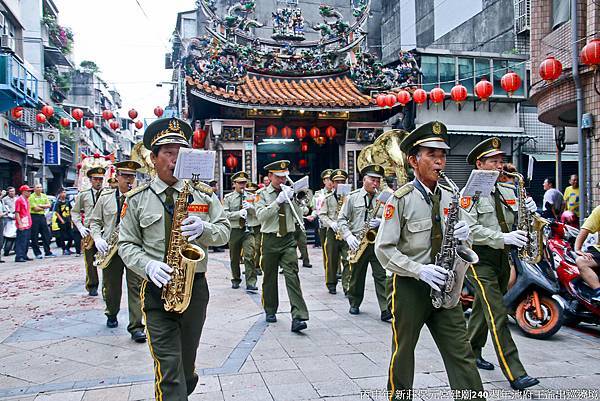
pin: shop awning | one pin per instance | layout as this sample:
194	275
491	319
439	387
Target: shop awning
551	157
474	130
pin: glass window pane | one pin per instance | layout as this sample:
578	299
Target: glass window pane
499	71
519	68
561	12
465	73
447	73
429	68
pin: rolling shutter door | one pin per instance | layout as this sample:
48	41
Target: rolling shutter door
458	170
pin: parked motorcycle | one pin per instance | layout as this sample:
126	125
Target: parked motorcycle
577	294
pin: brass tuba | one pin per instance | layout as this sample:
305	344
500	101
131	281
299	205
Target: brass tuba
385	151
140	154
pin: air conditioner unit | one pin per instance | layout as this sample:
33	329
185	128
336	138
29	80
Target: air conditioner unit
7	43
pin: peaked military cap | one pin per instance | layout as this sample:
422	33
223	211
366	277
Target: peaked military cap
433	134
326	173
279	168
127	166
97	172
339	174
373	170
165	131
488	148
112	180
240	176
252	187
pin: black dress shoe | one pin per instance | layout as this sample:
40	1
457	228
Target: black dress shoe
28	258
251	288
298	325
93	292
386	316
307	265
138	336
235	285
354	310
271	318
20	260
332	290
483	364
112	322
523	382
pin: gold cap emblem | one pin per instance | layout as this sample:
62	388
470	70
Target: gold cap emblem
282	165
496	143
436	128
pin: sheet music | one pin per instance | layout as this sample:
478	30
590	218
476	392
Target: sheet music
195	164
343	189
480	183
301	184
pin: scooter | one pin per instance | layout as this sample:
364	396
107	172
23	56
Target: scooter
578	307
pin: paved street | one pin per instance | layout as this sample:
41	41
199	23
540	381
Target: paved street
55	345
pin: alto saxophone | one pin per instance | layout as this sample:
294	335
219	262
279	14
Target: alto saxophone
102	260
182	257
338	234
454	256
532	223
366	236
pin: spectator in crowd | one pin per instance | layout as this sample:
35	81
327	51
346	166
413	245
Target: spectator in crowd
23	219
552	203
571	196
55	230
62	210
265	182
39	203
3	214
10	227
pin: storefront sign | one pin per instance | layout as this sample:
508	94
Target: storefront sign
13	133
52	149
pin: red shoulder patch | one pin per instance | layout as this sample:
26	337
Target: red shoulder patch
123	210
511	202
389	211
465	202
198	208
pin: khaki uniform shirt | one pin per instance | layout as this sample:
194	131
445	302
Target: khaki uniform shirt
352	216
329	211
142	232
267	211
84	202
317	201
403	243
482	219
232	205
103	219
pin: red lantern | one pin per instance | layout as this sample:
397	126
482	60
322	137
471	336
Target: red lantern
198	139
271	131
420	96
231	162
550	69
380	99
107	115
331	132
484	89
114	124
89	124
510	82
17	112
390	100
590	54
403	97
458	93
40	118
303	147
437	95
315	132
48	111
77	114
64	122
303	163
139	124
158	111
286	132
301	133
132	114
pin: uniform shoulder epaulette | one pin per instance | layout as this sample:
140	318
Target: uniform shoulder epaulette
229	194
205	188
137	190
404	190
107	191
354	192
329	194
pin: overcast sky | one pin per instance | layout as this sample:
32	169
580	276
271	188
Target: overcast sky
127	42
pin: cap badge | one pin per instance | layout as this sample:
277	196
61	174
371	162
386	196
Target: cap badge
496	143
436	128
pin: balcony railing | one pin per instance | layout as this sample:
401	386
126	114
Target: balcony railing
17	84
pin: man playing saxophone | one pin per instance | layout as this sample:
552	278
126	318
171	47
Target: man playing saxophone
410	237
491	219
358	221
104	223
151	222
335	249
82	209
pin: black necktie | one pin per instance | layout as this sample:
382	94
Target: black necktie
282	220
436	228
169	204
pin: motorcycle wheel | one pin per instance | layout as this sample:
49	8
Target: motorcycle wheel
537	328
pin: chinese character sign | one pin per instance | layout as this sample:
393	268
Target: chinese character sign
52	149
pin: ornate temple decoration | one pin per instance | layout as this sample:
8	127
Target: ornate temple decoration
288	24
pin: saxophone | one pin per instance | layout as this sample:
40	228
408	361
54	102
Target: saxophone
102	260
454	256
182	257
338	234
532	223
366	236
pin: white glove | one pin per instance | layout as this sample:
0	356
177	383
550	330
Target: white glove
334	226
247	205
243	213
433	275
353	242
83	231
517	238
192	227
462	231
374	223
101	244
530	205
158	272
285	194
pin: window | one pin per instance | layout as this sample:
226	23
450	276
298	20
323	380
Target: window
561	12
499	70
447	73
465	73
519	68
429	68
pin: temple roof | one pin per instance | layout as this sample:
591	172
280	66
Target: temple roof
335	92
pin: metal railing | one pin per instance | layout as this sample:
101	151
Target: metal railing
14	75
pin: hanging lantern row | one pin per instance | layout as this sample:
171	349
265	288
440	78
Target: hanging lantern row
551	69
301	133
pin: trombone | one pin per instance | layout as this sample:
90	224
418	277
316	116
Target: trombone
294	213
